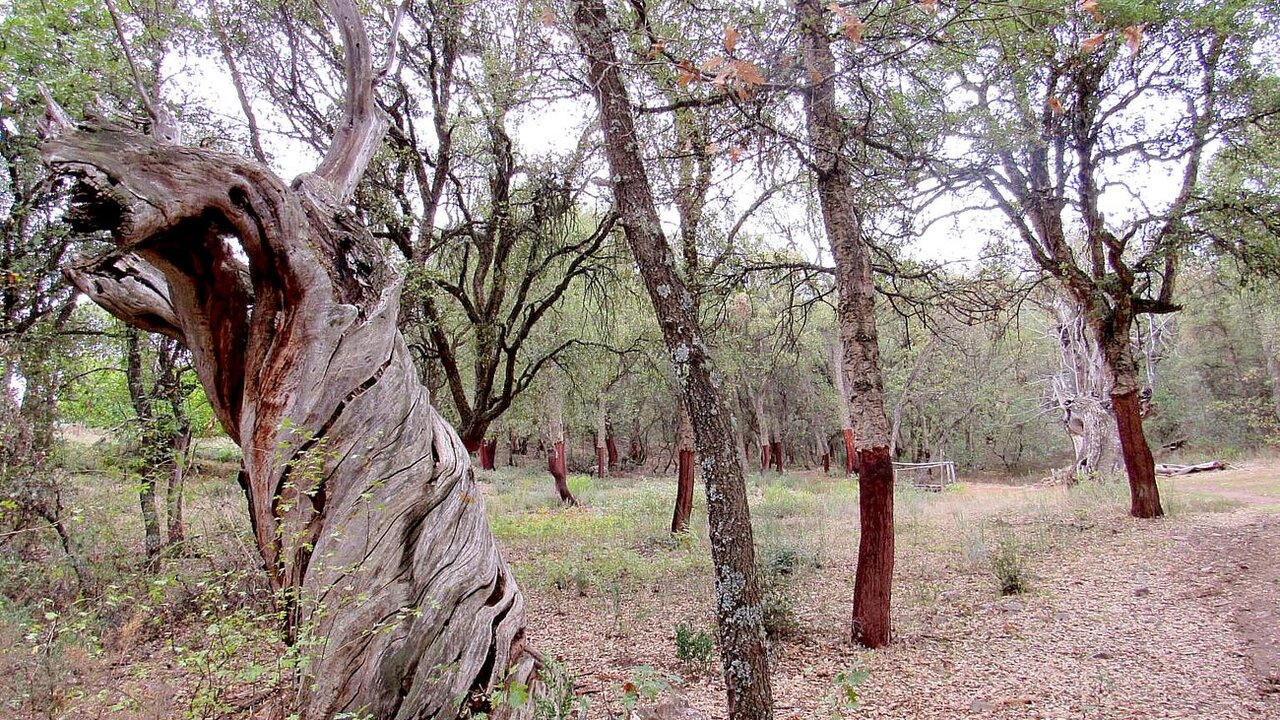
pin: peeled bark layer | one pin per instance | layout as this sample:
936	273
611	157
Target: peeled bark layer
1144	493
361	497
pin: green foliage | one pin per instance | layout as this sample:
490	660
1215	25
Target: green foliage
694	647
848	684
1009	566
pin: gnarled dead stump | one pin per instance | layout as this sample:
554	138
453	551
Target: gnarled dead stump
361	497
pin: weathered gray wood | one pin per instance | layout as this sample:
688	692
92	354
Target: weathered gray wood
1168	469
362	499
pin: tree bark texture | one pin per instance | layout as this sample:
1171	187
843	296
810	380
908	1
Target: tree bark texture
361	498
739	613
150	460
855	311
684	477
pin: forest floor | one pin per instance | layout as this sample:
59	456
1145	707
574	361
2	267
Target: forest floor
1117	618
1177	618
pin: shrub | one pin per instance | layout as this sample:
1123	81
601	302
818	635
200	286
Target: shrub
1007	566
694	647
779	611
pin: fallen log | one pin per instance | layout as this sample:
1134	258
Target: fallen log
1166	469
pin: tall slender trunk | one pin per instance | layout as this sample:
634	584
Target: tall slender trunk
602	442
557	463
739	620
855	311
149	461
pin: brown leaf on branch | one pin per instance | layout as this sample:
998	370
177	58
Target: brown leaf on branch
686	73
731	37
548	17
1056	106
656	49
1133	38
851	26
1091	7
929	6
1091	44
747	73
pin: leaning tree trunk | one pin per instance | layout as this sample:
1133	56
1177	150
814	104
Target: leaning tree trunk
855	311
1113	337
360	495
739	618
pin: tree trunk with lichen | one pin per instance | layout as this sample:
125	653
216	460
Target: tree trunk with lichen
855	312
739	614
361	498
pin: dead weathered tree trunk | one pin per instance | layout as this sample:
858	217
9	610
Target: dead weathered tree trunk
1079	390
739	619
855	311
360	496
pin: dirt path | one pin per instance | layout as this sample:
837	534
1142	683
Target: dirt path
1180	620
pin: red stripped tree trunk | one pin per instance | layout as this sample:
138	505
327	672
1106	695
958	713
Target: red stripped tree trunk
826	463
490	459
766	456
558	466
611	446
850	455
873	586
776	450
684	478
855	311
684	493
1144	493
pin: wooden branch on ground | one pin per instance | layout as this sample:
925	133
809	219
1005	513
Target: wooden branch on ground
1166	469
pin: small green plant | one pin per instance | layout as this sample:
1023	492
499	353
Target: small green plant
645	683
848	683
694	647
557	700
1007	565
